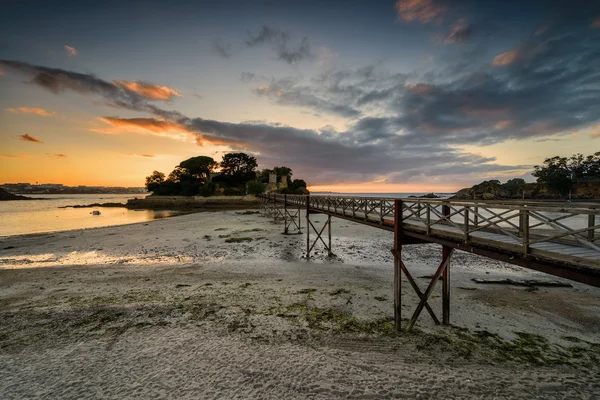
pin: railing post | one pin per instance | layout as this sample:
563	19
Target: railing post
476	217
445	209
398	264
591	224
428	218
524	222
466	225
366	209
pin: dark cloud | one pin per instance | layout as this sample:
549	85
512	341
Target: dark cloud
28	138
346	93
282	43
121	94
545	86
221	48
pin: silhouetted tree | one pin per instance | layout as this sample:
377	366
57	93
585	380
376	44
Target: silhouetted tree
199	167
154	181
237	168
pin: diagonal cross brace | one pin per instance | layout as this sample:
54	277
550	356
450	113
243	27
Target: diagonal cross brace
442	267
319	235
418	291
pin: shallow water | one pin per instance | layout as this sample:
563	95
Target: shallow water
37	216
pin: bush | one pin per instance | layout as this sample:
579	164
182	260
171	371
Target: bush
207	190
233	192
256	187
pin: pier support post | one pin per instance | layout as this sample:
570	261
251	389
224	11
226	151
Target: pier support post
446	251
397	265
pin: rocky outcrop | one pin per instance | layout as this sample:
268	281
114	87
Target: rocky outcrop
492	190
6	196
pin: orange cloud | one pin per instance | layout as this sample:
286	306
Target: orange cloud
423	11
28	138
32	110
508	57
14	156
60	155
149	90
596	23
144	126
143	155
70	51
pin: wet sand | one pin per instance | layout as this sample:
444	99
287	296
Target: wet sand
222	305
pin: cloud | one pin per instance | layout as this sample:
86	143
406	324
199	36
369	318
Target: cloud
423	11
595	23
403	127
460	33
129	95
59	155
143	155
547	87
144	126
506	58
14	156
348	93
221	48
282	44
149	90
32	110
28	138
70	51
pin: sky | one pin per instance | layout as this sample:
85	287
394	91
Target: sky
354	96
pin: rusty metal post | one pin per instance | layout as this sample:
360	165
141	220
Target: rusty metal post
307	227
329	234
446	251
285	214
398	264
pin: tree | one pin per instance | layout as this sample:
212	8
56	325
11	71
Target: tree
238	164
256	187
237	168
514	186
179	175
199	167
555	174
154	181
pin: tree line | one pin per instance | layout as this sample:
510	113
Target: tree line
238	175
558	174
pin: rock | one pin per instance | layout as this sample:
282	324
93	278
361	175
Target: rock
5	196
429	196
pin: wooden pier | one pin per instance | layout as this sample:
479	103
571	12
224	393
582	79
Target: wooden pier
561	239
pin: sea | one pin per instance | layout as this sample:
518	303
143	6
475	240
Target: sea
19	217
22	217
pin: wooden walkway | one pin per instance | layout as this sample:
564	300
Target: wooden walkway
560	239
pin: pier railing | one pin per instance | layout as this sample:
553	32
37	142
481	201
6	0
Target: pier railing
569	230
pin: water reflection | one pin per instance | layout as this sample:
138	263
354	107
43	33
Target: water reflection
24	217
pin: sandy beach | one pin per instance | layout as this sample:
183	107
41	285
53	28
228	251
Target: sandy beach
222	305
